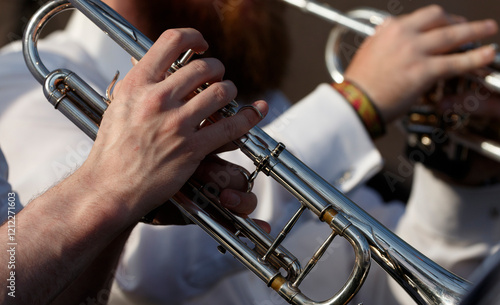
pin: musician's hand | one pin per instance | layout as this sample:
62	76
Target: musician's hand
405	56
149	142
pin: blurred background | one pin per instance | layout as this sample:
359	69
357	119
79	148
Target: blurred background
307	69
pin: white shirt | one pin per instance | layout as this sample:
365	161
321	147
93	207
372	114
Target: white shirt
176	264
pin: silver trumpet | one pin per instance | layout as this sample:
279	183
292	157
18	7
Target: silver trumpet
424	280
362	22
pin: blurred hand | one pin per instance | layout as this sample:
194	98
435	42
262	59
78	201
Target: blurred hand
408	54
150	141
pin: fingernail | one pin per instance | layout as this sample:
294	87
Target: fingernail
261	107
231	200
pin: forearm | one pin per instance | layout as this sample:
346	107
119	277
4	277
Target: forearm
79	222
95	282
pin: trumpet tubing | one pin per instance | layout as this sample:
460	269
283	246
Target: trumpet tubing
425	281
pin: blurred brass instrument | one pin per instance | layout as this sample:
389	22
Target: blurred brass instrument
424	120
424	280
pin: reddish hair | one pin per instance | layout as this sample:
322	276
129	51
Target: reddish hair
248	36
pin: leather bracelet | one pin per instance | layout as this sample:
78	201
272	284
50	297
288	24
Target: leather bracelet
363	106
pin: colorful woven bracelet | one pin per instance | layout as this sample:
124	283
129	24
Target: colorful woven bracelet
363	106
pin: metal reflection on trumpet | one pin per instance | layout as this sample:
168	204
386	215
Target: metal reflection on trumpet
362	22
424	280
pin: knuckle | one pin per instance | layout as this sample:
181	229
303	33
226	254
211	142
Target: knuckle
477	30
467	61
221	93
449	37
231	129
472	60
236	126
436	11
192	150
173	36
195	32
397	28
250	118
218	67
210	67
201	66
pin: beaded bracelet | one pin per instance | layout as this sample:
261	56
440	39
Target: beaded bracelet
363	106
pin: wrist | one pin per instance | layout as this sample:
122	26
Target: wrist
364	107
108	204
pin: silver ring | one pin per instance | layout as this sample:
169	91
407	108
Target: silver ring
111	87
245	173
253	108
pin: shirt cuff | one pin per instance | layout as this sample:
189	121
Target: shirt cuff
325	133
